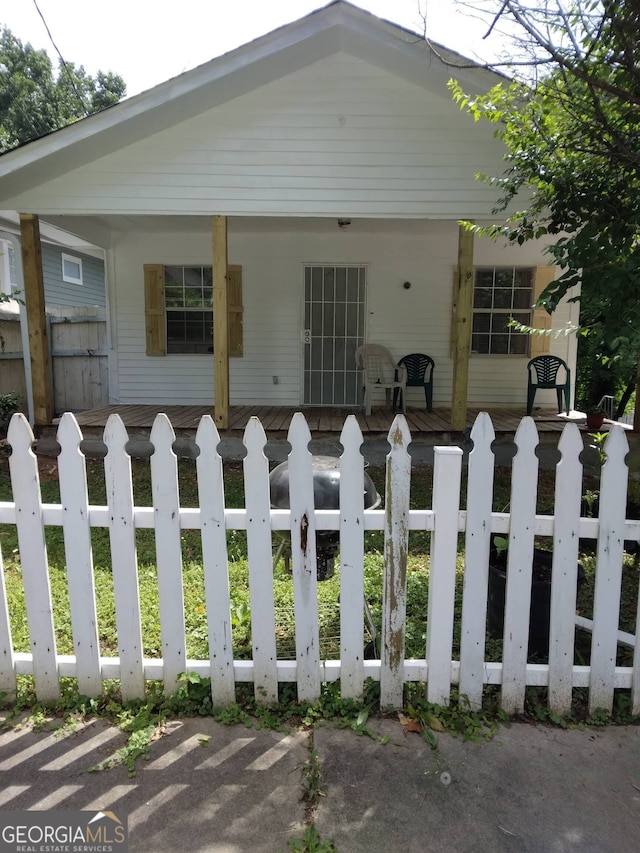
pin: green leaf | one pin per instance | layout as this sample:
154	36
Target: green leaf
433	722
430	738
362	717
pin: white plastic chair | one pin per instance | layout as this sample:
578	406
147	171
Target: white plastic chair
380	371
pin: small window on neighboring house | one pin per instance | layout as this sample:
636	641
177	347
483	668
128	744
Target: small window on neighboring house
179	309
71	269
501	293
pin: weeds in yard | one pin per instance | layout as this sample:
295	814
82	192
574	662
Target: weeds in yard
536	709
312	779
143	727
310	843
457	718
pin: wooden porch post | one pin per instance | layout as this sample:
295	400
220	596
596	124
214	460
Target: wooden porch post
463	307
36	319
220	323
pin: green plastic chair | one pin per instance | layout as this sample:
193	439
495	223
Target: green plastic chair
419	369
543	372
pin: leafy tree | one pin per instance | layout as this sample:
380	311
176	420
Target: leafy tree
34	101
570	126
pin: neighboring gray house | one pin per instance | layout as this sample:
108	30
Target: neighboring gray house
75	295
73	269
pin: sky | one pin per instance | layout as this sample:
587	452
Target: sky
150	41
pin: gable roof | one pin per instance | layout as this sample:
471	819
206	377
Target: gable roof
340	26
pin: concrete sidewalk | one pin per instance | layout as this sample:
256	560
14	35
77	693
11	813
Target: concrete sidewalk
209	787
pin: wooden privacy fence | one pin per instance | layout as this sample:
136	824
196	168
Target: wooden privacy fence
77	340
78	353
444	519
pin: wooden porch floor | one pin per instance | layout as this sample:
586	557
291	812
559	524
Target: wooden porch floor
276	419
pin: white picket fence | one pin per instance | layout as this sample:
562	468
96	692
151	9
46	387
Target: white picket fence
444	519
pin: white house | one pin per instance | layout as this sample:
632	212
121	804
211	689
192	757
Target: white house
308	186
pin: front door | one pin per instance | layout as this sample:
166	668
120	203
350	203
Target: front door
334	315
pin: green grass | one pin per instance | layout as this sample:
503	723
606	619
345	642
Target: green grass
193	580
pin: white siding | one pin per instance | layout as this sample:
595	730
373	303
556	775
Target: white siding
502	380
418	319
340	137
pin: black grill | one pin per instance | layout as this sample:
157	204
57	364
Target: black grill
326	495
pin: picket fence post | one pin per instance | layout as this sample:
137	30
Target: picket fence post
606	596
124	561
166	519
215	562
258	508
524	490
351	561
8	681
303	559
396	546
476	562
564	577
447	471
25	482
72	474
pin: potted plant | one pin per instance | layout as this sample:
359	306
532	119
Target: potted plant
595	417
540	610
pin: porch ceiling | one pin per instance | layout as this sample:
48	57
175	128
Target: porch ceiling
89	227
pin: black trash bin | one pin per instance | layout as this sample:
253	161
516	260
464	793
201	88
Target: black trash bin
540	611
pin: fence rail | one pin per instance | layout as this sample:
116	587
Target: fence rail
448	524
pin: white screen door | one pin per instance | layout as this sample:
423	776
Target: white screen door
334	315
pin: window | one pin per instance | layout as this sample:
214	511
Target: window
71	269
188	298
13	267
7	267
179	309
501	293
